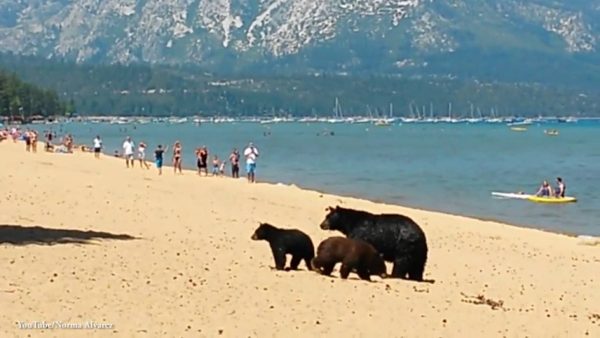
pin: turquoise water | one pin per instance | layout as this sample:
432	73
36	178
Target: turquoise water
445	167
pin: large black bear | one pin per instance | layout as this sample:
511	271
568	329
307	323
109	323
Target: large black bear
355	255
397	237
286	241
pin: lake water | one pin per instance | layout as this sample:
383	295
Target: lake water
446	167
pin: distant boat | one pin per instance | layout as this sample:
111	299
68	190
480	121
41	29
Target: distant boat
551	132
525	122
571	119
386	121
382	123
518	129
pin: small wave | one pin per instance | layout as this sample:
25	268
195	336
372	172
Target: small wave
588	240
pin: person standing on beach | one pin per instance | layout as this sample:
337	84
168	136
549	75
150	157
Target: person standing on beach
251	154
222	168
34	140
142	155
49	140
158	157
202	160
128	151
177	157
215	165
97	146
27	138
234	158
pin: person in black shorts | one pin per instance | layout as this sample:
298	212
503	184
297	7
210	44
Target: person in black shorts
97	146
202	160
234	158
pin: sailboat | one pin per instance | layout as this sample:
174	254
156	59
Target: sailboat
384	122
337	110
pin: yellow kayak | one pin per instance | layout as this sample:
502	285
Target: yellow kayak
539	199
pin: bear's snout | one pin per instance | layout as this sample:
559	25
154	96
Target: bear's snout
325	225
254	237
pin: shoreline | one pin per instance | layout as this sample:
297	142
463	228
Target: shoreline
193	171
190	171
172	255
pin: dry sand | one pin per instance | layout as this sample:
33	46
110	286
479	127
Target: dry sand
192	270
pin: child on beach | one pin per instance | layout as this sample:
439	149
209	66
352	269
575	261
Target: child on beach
68	142
142	155
215	166
222	168
158	157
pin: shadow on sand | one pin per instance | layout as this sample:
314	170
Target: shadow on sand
22	235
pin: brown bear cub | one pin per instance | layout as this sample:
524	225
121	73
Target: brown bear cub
355	255
286	241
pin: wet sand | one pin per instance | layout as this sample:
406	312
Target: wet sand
171	256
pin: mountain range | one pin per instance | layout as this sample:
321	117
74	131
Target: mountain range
505	40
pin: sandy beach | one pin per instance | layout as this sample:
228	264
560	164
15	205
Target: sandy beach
128	253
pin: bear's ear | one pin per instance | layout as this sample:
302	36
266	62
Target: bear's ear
328	209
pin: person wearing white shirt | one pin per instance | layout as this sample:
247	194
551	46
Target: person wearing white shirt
97	146
128	151
251	154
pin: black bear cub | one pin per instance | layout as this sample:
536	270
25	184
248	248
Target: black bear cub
286	241
355	255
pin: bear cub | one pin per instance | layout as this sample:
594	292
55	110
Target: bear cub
356	256
286	241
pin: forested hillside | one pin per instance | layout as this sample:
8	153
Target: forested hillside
187	90
23	101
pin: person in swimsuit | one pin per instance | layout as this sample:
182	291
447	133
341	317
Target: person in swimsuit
561	188
545	190
34	140
48	141
69	143
27	138
234	158
142	155
177	157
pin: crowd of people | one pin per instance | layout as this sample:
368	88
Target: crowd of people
31	137
217	165
131	153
